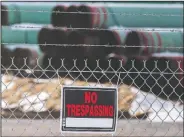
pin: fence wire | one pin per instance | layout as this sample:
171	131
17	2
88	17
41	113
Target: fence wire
150	87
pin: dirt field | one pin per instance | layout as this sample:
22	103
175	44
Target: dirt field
17	127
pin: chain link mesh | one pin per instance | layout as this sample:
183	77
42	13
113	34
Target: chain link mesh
150	88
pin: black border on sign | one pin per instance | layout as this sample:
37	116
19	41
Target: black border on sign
85	129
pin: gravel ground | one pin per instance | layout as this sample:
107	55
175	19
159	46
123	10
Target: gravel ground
19	127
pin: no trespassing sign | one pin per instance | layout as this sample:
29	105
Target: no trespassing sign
88	109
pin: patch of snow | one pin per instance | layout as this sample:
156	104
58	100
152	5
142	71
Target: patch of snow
157	106
5	105
38	107
68	82
6	86
34	99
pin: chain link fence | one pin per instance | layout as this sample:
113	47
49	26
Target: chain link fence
144	59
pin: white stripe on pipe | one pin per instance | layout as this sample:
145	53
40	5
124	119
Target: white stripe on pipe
168	54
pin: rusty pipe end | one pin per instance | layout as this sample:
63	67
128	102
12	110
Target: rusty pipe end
71	17
84	20
4	15
51	40
44	38
75	37
81	50
132	44
57	43
58	18
25	54
6	55
108	38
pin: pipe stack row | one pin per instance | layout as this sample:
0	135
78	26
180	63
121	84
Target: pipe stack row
133	42
43	13
127	15
94	15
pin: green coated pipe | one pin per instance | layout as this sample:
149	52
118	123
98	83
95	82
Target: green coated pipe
45	13
10	35
126	14
21	33
131	15
32	34
148	42
29	12
34	13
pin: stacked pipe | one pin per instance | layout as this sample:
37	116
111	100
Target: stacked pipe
137	75
6	56
15	40
160	75
28	12
61	52
48	38
58	18
65	15
22	57
102	14
95	42
135	42
170	84
72	16
4	15
52	13
51	42
128	15
148	42
131	42
11	14
61	16
128	42
21	40
163	78
89	46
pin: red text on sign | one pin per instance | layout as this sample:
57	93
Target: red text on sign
90	97
89	110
